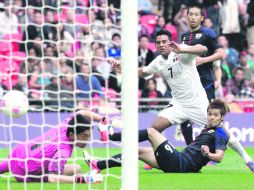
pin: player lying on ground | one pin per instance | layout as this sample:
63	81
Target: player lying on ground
209	145
44	158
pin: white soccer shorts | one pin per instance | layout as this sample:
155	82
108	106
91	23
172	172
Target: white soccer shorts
177	114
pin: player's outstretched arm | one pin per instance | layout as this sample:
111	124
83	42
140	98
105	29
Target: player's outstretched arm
81	178
218	55
217	74
54	178
115	63
196	49
216	157
142	74
91	116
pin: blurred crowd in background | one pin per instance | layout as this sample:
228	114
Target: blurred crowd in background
56	50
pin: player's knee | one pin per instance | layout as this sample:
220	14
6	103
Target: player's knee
161	124
151	132
157	127
143	152
140	152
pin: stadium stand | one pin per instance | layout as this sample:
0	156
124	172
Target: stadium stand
39	34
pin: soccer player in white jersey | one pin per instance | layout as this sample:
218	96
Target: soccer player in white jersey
178	69
176	63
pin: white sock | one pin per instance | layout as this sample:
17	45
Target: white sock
236	146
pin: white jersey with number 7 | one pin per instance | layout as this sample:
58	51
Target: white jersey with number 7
181	74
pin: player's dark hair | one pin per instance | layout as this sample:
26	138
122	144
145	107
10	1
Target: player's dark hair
78	124
164	32
196	6
218	104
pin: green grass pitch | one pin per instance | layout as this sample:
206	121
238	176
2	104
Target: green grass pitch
231	174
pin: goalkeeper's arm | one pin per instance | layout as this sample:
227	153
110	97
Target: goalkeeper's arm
81	178
91	116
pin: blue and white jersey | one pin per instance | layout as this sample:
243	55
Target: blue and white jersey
192	158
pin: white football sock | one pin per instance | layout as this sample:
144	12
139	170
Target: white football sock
236	146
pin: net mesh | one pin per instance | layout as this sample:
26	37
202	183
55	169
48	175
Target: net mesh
55	52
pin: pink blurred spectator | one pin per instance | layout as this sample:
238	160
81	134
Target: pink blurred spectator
151	93
149	21
142	30
161	24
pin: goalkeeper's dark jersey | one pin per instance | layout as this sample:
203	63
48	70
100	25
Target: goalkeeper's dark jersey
206	37
191	157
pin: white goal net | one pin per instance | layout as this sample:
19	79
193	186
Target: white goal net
55	52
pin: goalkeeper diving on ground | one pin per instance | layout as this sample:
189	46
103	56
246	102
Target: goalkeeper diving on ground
45	157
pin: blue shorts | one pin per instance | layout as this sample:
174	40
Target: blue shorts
209	89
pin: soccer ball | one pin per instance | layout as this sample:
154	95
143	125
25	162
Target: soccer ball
14	104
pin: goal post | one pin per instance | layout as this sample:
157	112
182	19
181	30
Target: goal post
43	58
129	95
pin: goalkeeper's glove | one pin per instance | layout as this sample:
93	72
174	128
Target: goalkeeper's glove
105	129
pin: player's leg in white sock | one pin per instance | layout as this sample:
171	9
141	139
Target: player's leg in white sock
236	146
